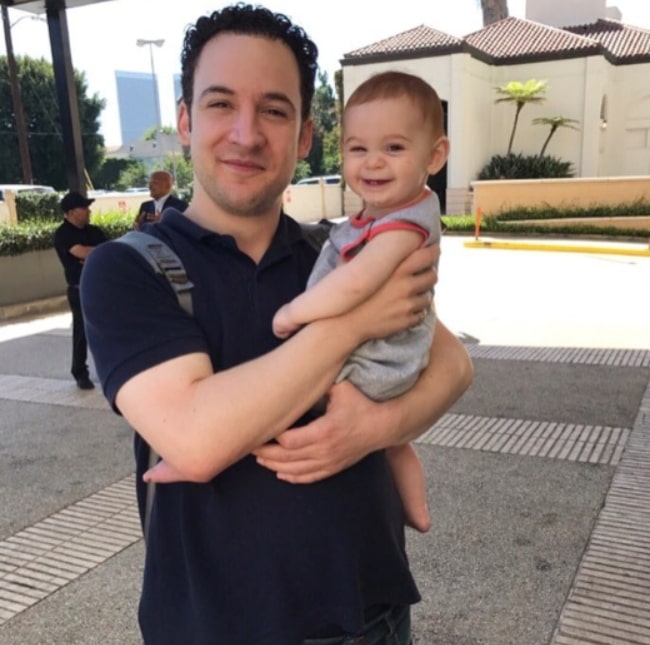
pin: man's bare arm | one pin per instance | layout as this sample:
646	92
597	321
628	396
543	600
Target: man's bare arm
202	422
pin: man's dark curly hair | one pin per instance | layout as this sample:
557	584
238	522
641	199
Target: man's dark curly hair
250	20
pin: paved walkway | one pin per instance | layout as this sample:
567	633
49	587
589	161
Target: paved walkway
537	479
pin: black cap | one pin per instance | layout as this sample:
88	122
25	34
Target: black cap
74	200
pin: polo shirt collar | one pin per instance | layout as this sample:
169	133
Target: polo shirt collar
287	233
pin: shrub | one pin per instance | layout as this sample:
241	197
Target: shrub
518	166
36	234
38	206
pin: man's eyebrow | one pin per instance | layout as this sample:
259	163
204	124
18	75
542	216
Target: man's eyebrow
216	89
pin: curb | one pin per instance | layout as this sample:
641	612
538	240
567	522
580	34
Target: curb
562	248
35	308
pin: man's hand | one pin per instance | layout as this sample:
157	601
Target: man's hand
283	326
348	431
163	473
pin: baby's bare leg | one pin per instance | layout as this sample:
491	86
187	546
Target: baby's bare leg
409	479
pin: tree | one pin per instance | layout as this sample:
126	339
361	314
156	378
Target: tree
555	122
521	94
325	116
44	124
493	11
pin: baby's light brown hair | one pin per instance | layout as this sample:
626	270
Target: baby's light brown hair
393	85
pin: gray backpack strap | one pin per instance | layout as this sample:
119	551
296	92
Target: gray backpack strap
316	234
164	262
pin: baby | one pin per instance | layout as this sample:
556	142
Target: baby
393	139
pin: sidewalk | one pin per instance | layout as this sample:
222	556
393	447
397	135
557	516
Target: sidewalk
537	478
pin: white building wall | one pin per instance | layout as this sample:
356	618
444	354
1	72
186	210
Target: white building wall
626	148
563	13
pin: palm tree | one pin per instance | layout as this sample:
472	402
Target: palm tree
520	94
493	11
555	122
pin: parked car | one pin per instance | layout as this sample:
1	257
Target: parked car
334	180
24	188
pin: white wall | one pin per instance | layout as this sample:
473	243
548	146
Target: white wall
563	13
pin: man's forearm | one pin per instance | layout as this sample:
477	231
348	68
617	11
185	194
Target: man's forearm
224	416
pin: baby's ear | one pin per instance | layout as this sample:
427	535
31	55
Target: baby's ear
439	155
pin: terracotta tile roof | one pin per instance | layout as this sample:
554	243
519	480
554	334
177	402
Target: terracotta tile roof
412	43
511	39
622	42
515	40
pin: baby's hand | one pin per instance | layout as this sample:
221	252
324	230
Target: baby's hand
163	473
283	327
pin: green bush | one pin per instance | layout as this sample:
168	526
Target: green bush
518	166
38	206
36	234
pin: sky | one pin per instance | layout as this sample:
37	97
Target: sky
103	36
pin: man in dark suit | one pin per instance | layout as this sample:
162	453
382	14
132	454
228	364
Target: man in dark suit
160	188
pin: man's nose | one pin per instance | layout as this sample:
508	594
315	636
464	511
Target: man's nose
246	130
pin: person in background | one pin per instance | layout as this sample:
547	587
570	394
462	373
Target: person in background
74	240
285	547
160	188
393	139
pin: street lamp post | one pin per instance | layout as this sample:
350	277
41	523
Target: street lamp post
17	99
150	43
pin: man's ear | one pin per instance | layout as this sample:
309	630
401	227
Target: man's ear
305	138
184	124
439	155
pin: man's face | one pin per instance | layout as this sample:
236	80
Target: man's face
159	185
245	130
79	217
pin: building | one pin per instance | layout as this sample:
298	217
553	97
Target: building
597	68
136	99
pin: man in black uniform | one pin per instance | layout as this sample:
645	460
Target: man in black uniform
74	240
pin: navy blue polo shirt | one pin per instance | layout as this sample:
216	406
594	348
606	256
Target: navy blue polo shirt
245	559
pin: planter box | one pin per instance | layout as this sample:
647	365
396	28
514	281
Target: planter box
30	276
505	194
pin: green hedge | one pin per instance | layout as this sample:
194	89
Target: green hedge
36	234
509	221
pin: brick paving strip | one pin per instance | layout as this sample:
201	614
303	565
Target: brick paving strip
46	556
610	598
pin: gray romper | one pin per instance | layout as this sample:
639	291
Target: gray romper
387	367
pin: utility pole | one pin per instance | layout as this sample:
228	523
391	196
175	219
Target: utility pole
17	99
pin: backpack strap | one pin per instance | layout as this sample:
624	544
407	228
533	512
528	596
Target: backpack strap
164	262
317	234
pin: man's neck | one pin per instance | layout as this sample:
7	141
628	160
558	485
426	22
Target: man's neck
252	233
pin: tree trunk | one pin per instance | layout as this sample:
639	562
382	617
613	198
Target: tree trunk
493	11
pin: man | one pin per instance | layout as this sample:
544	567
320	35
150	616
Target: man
160	188
74	241
301	538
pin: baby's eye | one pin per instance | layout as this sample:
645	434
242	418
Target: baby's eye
356	149
394	147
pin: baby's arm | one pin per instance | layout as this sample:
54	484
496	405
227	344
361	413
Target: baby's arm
350	283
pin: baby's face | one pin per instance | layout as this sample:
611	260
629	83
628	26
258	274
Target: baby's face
388	152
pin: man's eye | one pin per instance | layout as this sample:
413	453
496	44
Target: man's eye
276	112
218	104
